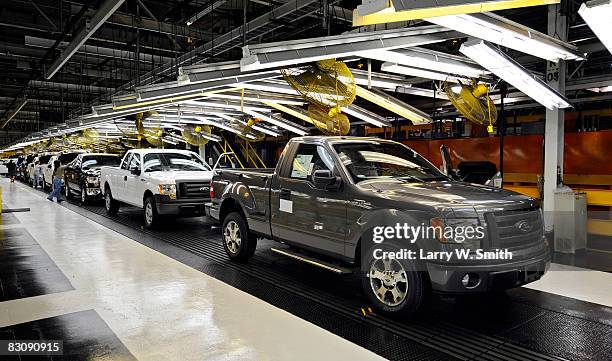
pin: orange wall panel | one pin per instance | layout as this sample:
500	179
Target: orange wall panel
585	153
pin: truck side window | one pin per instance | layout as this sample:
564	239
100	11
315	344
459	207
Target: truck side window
135	161
309	158
126	161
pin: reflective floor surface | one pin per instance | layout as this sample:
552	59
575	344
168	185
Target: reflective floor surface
172	294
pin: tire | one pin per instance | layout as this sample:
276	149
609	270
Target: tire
152	219
239	243
67	190
399	294
111	205
44	184
84	199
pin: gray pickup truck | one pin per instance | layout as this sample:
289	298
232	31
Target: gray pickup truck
351	204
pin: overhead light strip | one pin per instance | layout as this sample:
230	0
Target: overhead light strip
396	106
388	11
499	30
513	73
598	15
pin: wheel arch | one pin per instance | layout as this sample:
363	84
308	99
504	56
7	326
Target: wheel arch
229	205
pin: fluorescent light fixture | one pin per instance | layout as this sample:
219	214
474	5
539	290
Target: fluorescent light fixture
279	122
428	59
379	80
256	127
421	73
294	111
388	11
292	52
394	105
366	115
259	98
598	15
207	10
513	73
499	30
603	89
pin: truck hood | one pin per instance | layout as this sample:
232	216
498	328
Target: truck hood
445	193
171	177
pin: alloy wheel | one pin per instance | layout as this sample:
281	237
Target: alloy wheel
389	281
83	195
232	237
149	213
107	201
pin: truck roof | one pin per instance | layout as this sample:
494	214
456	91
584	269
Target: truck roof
154	150
335	138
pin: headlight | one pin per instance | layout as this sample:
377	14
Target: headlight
466	231
93	180
168	190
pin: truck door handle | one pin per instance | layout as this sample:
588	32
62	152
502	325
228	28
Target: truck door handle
125	178
285	193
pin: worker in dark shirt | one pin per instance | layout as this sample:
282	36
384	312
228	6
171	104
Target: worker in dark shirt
11	167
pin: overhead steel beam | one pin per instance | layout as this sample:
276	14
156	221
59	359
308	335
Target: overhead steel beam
68	86
96	50
14	113
146	9
104	12
222	43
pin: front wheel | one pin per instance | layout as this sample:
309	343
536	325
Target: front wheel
84	198
111	205
395	287
239	243
151	217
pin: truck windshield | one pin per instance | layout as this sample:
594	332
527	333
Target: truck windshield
92	161
155	162
375	160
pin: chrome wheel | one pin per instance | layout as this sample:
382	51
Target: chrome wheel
231	234
149	213
389	281
107	201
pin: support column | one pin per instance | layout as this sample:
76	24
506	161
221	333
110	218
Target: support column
554	132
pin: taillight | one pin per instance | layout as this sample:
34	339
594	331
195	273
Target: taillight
212	190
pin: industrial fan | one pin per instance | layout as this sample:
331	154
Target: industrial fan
473	102
196	135
329	85
339	124
145	125
249	134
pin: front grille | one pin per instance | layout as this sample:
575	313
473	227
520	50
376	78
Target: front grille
196	189
515	228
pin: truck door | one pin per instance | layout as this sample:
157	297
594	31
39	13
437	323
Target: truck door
133	190
302	214
119	177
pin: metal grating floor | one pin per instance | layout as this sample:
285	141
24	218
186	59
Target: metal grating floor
519	325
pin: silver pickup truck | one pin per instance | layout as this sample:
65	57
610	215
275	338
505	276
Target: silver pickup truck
348	203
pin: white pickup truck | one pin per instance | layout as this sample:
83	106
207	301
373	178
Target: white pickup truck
160	181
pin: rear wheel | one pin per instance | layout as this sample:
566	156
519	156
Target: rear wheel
151	217
239	243
111	205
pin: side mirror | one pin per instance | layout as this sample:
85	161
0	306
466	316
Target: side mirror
135	170
323	179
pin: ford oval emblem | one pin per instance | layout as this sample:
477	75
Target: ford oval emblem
203	189
523	226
